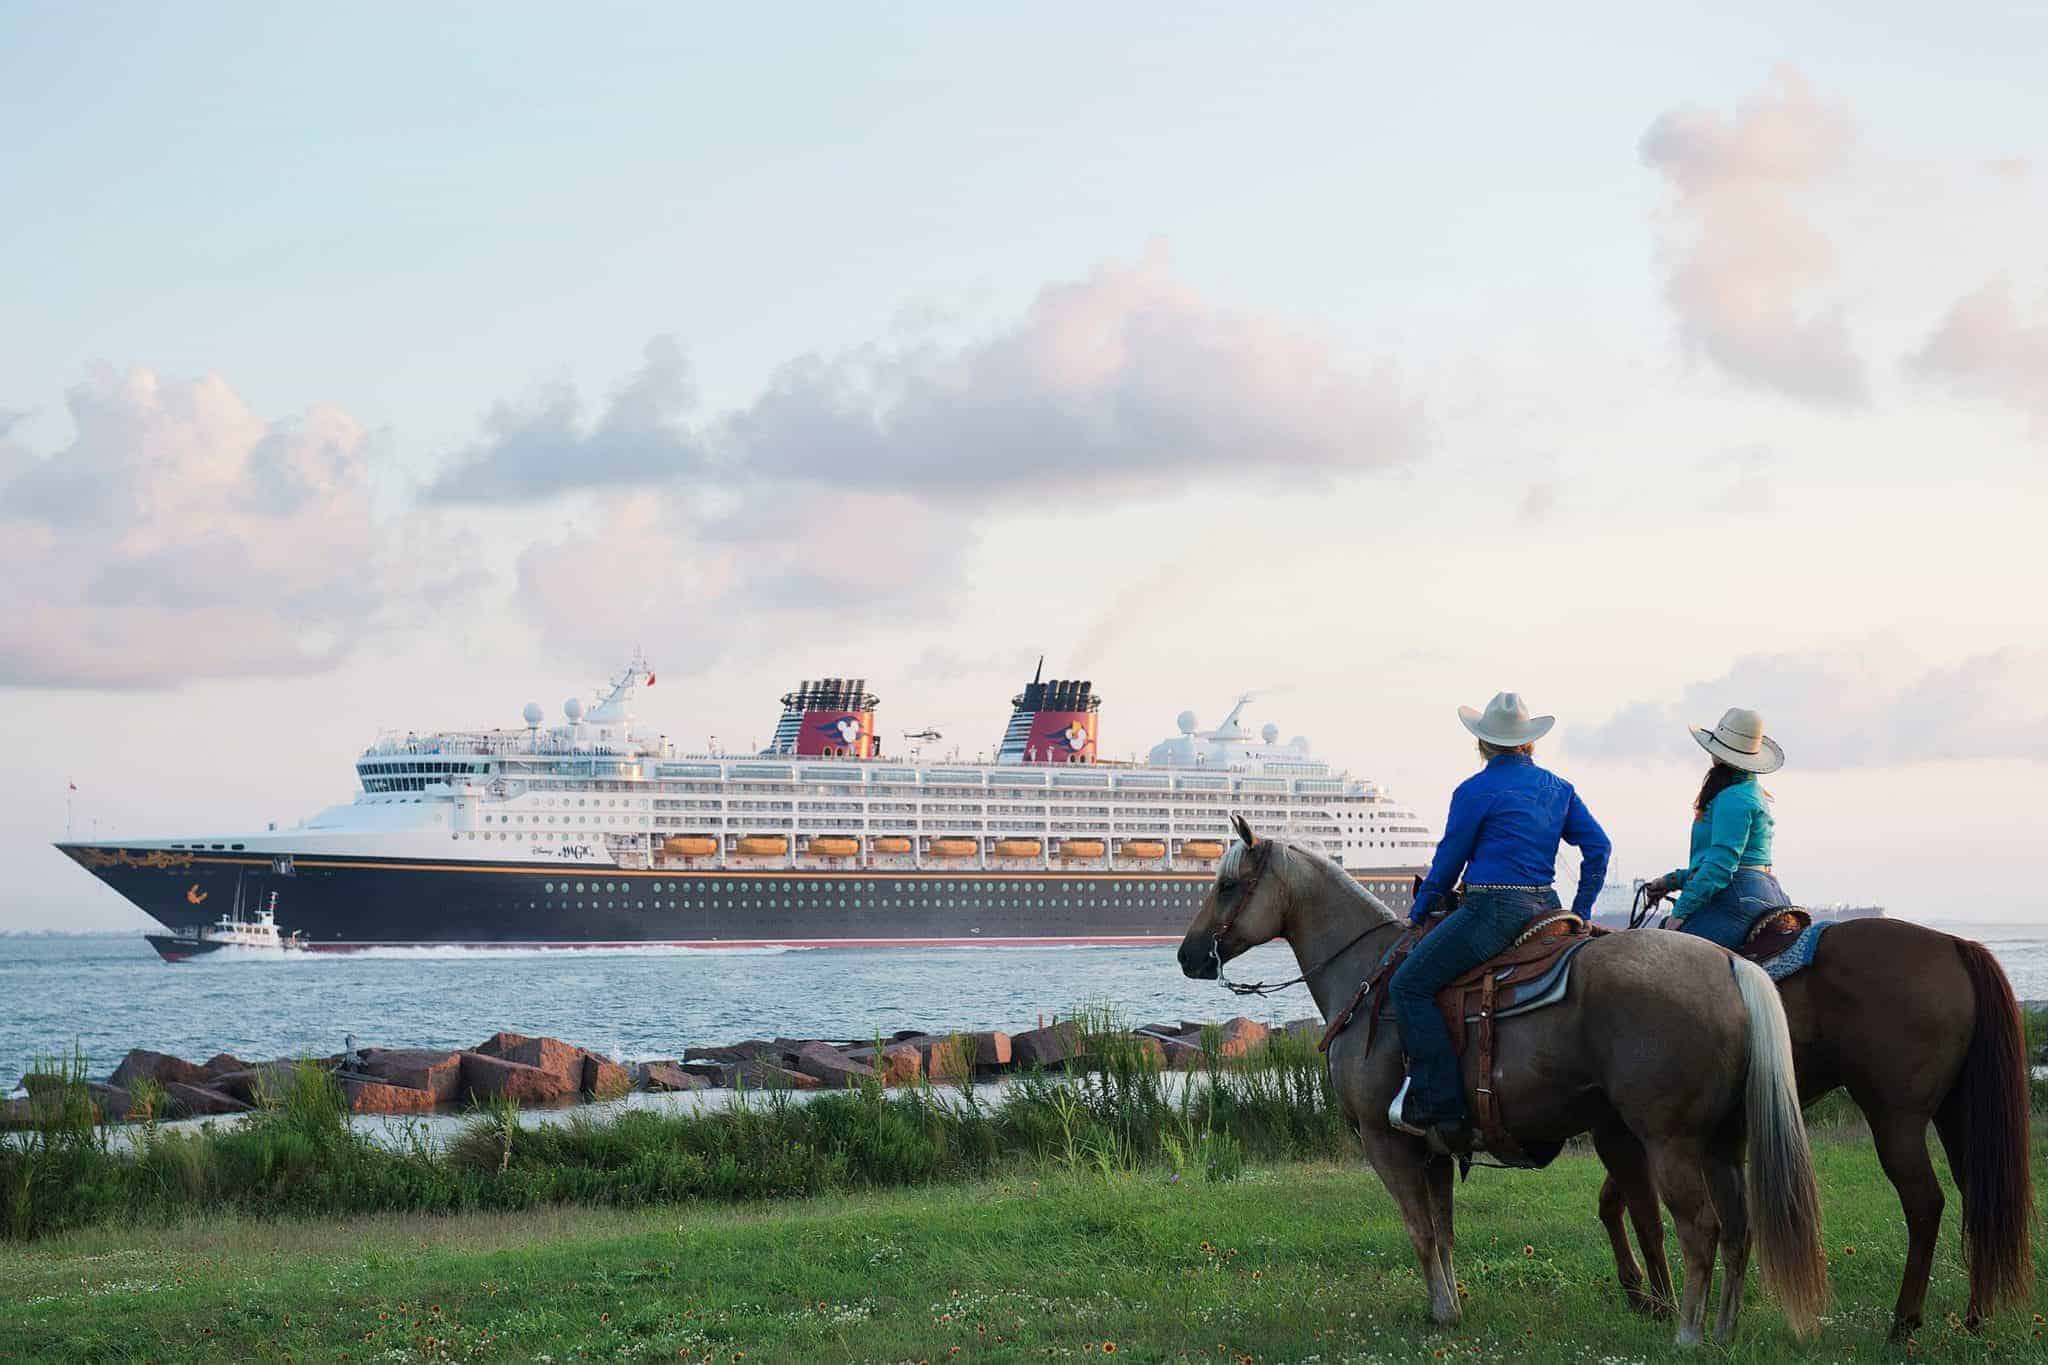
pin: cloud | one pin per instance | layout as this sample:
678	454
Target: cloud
1855	706
1746	270
1106	384
543	447
667	565
1985	346
859	481
179	535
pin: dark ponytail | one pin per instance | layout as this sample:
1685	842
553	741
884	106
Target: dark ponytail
1720	778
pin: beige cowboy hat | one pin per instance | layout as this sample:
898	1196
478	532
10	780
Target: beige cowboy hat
1506	721
1740	742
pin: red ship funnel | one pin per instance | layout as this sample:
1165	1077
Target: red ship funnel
828	718
1052	722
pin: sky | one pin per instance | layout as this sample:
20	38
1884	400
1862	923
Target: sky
382	367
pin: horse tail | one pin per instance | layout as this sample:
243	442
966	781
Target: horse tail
1998	1182
1784	1198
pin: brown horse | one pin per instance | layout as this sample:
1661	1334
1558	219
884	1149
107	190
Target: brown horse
1921	1027
1660	1046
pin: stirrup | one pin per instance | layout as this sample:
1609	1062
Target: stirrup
1395	1117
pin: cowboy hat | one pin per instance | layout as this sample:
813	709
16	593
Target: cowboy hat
1740	742
1506	721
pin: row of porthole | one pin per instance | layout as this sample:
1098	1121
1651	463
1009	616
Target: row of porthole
809	887
881	903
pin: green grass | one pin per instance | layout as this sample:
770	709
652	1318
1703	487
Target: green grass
299	1156
1289	1262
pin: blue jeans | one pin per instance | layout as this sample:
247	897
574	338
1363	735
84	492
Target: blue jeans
1487	923
1728	915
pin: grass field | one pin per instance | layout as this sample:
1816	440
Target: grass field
1288	1262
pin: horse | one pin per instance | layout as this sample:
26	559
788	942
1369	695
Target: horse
1920	1027
1664	1046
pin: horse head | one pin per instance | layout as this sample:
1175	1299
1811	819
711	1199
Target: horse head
1243	909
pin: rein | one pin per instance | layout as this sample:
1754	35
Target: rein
1269	987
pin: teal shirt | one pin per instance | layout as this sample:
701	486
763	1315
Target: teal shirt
1736	832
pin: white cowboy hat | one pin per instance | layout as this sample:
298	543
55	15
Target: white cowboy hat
1506	721
1740	742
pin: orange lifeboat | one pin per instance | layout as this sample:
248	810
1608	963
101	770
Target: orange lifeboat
689	846
764	845
833	846
1018	848
1206	849
955	848
1142	848
1080	848
892	843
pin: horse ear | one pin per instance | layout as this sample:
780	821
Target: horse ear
1244	831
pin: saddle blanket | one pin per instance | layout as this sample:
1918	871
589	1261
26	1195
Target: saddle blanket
1799	956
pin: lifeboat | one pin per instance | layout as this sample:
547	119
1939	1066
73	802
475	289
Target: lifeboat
955	848
892	843
1142	848
833	846
764	845
1080	848
1205	849
689	846
1018	848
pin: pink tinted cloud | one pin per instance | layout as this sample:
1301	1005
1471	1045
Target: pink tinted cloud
179	535
1747	271
1986	345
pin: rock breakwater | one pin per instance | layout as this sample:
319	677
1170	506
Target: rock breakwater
547	1072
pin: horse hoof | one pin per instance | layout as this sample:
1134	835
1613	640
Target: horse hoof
1903	1329
1687	1336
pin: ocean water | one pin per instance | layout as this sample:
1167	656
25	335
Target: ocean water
105	995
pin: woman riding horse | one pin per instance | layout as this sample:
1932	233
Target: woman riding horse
1674	1056
1502	833
1728	884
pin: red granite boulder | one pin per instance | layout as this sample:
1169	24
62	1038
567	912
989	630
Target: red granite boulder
200	1101
768	1076
223	1064
1047	1047
488	1078
946	1058
669	1076
897	1063
115	1104
828	1064
604	1079
366	1096
160	1067
263	1083
1242	1035
751	1050
434	1070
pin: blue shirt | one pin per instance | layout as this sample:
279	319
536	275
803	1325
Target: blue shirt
1737	831
1503	830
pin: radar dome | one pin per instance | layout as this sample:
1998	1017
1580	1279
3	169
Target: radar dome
1186	721
1299	743
573	709
1271	733
533	713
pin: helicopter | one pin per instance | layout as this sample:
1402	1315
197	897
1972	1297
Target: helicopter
926	735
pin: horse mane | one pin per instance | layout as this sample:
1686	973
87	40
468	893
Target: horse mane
1332	871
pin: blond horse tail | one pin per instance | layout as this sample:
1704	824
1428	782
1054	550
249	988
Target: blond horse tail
1784	1199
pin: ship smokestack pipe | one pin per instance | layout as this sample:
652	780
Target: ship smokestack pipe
1052	721
827	718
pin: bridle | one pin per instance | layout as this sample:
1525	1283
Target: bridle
1251	890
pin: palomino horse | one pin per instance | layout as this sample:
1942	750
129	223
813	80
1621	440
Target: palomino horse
1921	1027
1659	1042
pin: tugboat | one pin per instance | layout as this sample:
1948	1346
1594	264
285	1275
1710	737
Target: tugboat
229	931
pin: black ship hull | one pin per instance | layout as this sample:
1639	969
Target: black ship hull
340	904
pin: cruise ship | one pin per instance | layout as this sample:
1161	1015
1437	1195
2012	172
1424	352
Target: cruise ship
593	832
